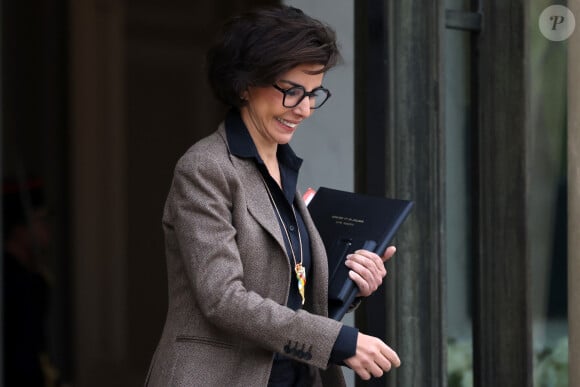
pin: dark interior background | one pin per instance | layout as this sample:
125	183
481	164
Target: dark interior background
123	80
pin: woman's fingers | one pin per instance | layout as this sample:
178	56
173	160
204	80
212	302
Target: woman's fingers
373	357
368	269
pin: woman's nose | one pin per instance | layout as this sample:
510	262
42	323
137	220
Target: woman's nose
303	108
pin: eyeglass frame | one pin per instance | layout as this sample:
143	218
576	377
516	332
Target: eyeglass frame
306	94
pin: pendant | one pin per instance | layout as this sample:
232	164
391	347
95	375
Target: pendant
301	277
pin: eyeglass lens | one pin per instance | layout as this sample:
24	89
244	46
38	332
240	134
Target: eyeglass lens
294	95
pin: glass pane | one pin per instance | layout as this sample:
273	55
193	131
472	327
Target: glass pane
547	201
458	203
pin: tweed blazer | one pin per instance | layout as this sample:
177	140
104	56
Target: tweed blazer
229	280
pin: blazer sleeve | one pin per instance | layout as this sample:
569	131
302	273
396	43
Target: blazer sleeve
200	205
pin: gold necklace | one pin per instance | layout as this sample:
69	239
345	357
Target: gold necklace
298	268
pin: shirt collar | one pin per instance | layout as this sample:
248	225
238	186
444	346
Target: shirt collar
241	144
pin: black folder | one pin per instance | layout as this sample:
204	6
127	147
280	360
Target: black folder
347	222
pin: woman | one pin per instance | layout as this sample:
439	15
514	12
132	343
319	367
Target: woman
247	269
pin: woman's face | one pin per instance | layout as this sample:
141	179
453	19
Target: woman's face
269	122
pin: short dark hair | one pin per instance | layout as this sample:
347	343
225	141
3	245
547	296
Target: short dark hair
255	48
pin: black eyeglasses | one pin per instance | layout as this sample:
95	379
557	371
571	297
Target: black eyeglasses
295	94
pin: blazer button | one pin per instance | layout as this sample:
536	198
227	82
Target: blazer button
287	348
308	356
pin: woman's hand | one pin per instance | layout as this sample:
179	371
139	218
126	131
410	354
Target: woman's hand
367	269
373	357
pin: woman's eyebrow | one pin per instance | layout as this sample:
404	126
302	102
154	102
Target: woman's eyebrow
296	84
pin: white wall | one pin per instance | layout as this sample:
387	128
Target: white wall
326	140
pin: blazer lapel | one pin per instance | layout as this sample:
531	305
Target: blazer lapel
258	203
257	199
319	295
